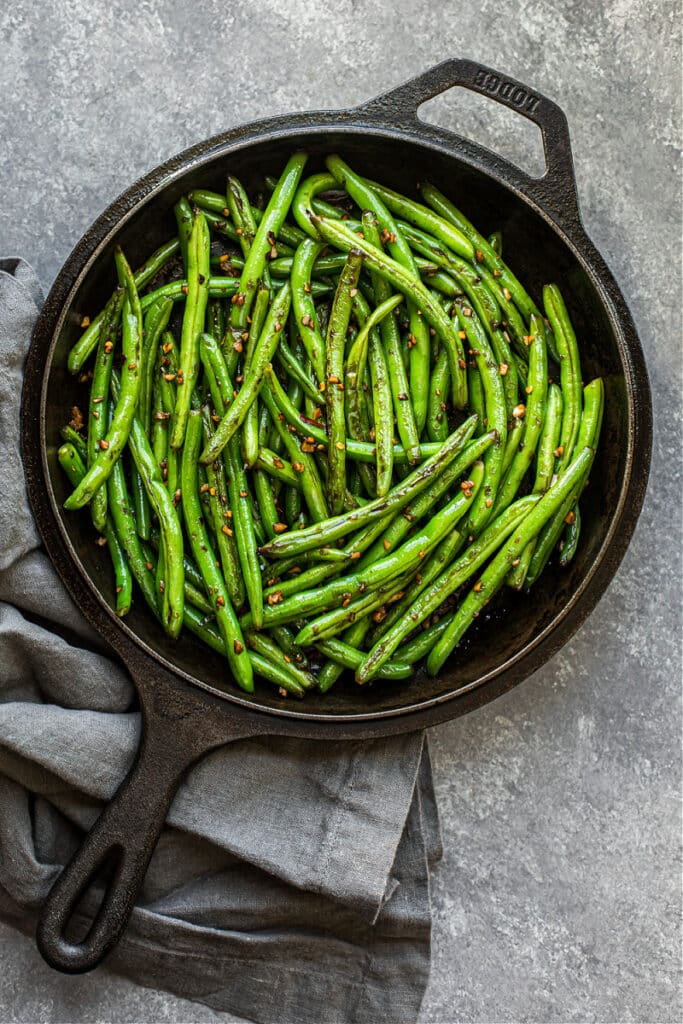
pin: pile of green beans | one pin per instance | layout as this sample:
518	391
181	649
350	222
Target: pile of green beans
326	424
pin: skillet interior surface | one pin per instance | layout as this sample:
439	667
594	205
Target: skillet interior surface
537	253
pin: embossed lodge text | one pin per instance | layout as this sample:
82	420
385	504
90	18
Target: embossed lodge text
516	94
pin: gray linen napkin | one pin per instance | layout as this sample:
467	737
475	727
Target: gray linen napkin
291	882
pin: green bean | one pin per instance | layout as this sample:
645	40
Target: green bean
245	525
495	240
411	286
300	268
167	392
71	436
405	559
445	584
204	556
270	650
424	503
304	306
72	464
288	237
219	288
484	302
426	220
570	538
391	342
438	280
222	518
367	199
275	674
348	657
514	443
356	358
318	574
266	502
520	567
150	268
123	520
533	418
192	573
439	560
117	434
183	216
570	370
270	462
271	222
356	414
159	438
334	376
475	392
198	252
466	276
383	414
588	436
567	486
208	634
98	409
284	638
242	217
330	210
262	355
302	464
154	324
331	264
361	478
171	548
510	315
397	498
335	621
302	204
549	440
250	441
354	449
437	421
218	222
496	417
212	201
522	370
484	253
295	371
122	576
421	645
545	469
215	319
353	637
194	594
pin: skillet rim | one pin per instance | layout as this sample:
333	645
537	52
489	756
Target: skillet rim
571	234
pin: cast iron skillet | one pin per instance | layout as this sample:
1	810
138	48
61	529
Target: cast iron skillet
189	706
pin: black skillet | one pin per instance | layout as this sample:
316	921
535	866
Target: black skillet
189	706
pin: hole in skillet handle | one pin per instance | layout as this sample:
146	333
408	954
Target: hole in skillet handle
555	191
119	846
489	125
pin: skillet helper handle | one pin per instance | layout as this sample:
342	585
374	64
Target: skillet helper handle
556	190
124	835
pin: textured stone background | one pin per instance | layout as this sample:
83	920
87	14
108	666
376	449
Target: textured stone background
559	896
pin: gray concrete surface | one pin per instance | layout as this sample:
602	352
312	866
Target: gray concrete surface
559	895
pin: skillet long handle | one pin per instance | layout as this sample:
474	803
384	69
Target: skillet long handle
123	838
